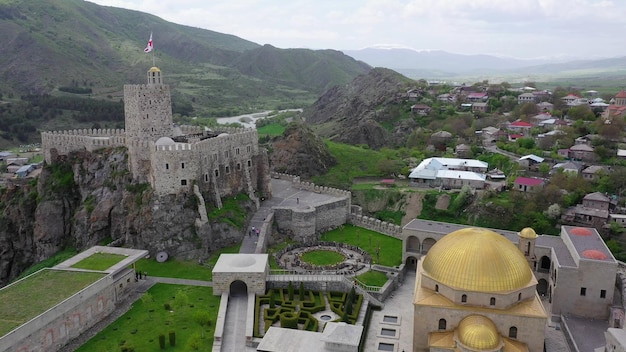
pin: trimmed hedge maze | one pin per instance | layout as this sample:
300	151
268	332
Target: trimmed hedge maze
295	311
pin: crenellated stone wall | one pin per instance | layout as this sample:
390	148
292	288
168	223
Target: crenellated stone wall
377	225
63	142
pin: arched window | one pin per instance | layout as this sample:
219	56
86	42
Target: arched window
519	296
463	298
492	301
436	288
513	332
442	324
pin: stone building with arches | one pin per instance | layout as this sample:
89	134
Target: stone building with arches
173	159
575	271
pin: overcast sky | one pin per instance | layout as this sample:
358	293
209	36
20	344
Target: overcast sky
516	28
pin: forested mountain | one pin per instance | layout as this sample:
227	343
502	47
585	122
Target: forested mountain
77	49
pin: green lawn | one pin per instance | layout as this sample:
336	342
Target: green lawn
323	257
140	327
373	278
59	257
183	269
274	129
370	241
18	305
99	261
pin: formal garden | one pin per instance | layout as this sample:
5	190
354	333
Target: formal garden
304	309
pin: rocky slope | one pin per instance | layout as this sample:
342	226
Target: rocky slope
89	198
364	111
300	152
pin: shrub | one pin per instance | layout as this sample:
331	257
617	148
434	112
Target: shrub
172	337
167	306
290	290
289	320
301	291
162	341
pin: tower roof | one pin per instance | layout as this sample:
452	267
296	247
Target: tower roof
528	232
480	260
154	69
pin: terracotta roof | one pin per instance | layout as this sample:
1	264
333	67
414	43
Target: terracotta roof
528	181
520	124
621	94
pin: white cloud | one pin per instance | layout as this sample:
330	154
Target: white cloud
523	28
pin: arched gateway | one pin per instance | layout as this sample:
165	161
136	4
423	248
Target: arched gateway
238	274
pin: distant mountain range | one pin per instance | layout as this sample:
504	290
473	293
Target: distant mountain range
437	64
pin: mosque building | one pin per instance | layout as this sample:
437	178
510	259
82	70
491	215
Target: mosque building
475	291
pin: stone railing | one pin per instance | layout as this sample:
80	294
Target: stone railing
377	225
310	186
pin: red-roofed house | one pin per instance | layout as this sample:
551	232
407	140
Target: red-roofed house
515	136
528	184
420	109
521	126
477	96
618	108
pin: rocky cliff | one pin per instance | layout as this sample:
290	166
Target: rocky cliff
89	198
366	111
301	152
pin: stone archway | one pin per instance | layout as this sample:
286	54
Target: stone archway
413	244
542	287
238	288
427	244
544	264
411	263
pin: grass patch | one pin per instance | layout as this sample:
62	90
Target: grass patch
99	261
141	325
352	161
276	248
59	257
390	253
181	269
392	216
274	129
231	211
373	278
18	305
322	257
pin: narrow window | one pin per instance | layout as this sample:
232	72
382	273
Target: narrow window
602	293
492	301
436	288
167	166
238	166
182	165
463	298
248	149
442	324
183	182
583	291
513	332
227	170
206	177
237	151
519	296
249	163
217	173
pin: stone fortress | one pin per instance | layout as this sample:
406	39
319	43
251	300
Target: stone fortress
173	159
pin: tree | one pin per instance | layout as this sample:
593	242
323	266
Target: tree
181	300
581	112
202	318
290	289
148	302
554	211
301	291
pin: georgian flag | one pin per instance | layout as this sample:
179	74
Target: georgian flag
149	46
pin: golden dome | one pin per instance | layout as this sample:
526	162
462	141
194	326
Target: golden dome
478	333
154	69
480	260
528	232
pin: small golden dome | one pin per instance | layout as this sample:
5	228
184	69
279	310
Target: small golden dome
528	232
154	69
478	333
480	260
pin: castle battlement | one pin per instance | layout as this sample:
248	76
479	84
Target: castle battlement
225	161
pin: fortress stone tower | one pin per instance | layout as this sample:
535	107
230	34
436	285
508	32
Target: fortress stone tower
148	116
211	163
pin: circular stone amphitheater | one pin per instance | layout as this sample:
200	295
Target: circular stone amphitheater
354	258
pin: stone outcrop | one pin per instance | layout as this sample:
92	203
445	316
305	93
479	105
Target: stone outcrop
299	151
362	111
88	198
